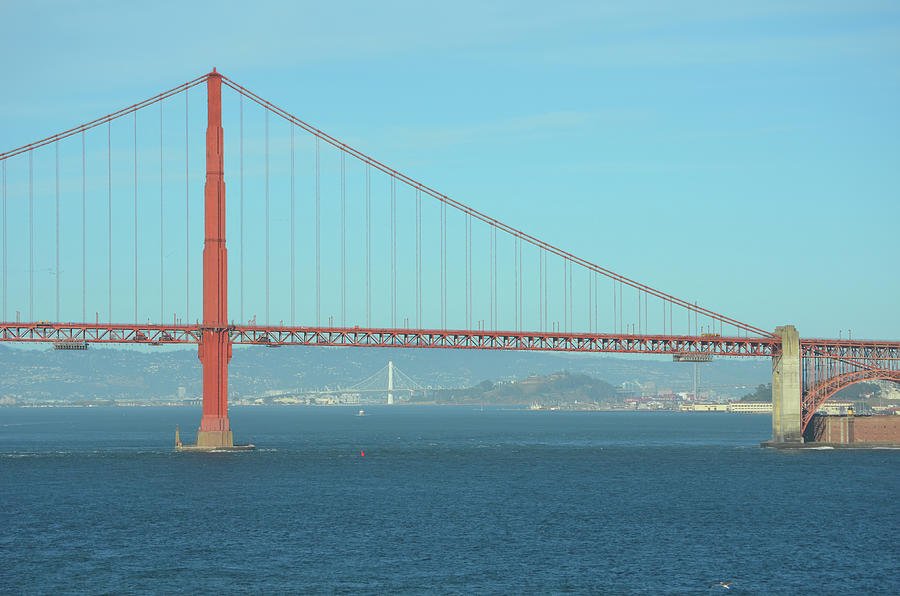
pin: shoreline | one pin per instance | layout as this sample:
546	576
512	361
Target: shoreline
503	407
829	446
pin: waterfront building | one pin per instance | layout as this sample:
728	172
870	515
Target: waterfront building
835	408
750	407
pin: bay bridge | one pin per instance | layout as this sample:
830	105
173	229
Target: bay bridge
101	245
388	381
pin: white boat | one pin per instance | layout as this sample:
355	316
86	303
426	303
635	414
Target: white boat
361	413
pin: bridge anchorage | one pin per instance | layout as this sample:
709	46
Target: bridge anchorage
805	372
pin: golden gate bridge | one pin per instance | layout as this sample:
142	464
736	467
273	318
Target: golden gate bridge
404	265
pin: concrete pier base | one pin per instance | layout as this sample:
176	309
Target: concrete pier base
786	388
211	440
215	438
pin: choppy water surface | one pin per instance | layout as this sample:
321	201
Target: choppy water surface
445	500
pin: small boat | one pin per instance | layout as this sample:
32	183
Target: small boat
361	413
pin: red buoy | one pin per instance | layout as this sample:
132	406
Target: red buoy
362	453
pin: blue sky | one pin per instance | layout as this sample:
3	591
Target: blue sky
745	155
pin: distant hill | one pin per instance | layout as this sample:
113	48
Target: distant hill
115	373
543	390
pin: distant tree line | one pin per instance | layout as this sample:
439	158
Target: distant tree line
762	393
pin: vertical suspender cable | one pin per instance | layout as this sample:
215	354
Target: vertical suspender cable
496	283
571	298
368	245
546	290
696	320
493	231
519	285
443	265
267	216
393	252
56	146
542	304
418	259
522	285
592	298
468	270
471	273
162	307
187	217
293	282
83	235
242	204
565	295
540	290
615	317
590	303
135	224
621	308
343	242
109	220
4	240
318	243
31	235
516	280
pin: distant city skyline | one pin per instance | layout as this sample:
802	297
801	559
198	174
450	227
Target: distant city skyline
741	156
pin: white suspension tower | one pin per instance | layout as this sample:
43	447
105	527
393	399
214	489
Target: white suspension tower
390	382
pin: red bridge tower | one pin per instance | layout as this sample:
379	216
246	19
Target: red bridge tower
215	341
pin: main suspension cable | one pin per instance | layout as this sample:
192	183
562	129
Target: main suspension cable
104	119
477	214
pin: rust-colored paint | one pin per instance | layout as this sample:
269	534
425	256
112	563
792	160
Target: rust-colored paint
215	343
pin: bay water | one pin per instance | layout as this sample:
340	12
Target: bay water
437	500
